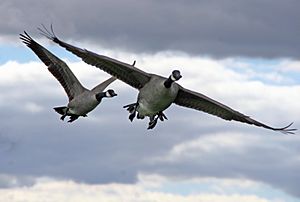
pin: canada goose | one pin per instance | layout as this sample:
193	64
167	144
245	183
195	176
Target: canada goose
157	93
81	100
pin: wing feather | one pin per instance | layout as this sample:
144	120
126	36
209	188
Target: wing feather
198	101
123	71
57	67
100	87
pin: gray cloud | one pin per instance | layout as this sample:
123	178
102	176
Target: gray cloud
105	147
217	28
271	162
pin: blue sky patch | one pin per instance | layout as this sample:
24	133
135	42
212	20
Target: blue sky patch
23	54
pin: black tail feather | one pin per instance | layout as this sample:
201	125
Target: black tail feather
61	110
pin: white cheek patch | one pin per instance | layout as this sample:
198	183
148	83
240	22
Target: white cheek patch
172	78
107	94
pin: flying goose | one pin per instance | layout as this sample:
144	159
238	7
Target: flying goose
81	100
157	93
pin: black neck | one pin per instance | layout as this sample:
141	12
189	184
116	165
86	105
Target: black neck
99	96
168	82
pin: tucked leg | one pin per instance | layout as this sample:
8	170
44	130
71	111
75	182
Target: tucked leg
130	107
132	115
162	116
132	110
153	122
140	116
73	118
63	117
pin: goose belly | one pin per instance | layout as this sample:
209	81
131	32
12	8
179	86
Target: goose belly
82	105
155	98
148	108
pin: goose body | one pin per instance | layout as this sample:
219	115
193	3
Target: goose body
81	100
157	93
154	97
83	103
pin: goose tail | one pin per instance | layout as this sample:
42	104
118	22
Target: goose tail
61	110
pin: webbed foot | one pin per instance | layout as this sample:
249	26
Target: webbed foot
152	124
131	116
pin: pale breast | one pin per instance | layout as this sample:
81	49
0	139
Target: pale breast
155	97
83	103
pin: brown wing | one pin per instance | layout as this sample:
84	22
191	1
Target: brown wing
194	100
57	67
123	71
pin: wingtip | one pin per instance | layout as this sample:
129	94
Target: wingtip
26	39
48	33
287	130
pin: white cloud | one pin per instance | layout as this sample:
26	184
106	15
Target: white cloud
47	189
270	71
217	185
223	144
288	65
211	143
13	73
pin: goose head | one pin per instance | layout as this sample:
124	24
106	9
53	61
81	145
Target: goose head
109	93
175	76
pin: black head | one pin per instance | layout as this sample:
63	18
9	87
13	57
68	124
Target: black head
175	76
110	93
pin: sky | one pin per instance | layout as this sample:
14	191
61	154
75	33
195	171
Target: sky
244	54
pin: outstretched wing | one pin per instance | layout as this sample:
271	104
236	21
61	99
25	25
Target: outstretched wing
123	71
100	87
56	66
194	100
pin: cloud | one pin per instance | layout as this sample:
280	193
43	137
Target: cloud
289	66
260	161
48	189
105	148
10	181
219	29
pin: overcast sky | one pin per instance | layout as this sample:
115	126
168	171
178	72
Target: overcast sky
244	54
267	28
